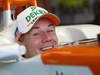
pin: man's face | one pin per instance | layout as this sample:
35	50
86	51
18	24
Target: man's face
41	38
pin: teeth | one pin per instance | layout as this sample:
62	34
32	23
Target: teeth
46	48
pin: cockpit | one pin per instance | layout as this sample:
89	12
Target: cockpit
78	38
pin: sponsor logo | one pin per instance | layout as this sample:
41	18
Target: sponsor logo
34	14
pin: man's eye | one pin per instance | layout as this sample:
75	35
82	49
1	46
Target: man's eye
35	34
50	30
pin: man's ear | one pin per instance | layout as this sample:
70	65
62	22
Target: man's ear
20	42
20	39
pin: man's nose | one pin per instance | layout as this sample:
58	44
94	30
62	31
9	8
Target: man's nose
46	37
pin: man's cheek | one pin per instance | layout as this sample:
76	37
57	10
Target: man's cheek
55	38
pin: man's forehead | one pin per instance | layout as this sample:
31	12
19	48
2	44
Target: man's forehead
48	25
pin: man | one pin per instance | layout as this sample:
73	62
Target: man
36	30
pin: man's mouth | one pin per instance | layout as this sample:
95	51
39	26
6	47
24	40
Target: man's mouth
46	48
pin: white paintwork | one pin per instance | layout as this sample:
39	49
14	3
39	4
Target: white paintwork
8	33
73	33
67	35
30	67
11	52
7	18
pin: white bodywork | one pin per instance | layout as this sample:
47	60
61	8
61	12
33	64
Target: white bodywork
67	34
34	66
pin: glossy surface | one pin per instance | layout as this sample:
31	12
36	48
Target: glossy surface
76	56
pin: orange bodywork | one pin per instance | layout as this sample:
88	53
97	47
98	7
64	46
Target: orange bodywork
74	56
7	4
16	5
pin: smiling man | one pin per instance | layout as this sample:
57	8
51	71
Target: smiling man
36	30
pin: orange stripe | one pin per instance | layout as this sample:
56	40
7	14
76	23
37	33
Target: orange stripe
1	3
33	3
24	2
6	5
18	3
79	55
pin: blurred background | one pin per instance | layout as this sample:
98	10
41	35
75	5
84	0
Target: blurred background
71	12
74	11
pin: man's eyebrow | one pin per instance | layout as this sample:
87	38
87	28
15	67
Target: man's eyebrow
51	25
